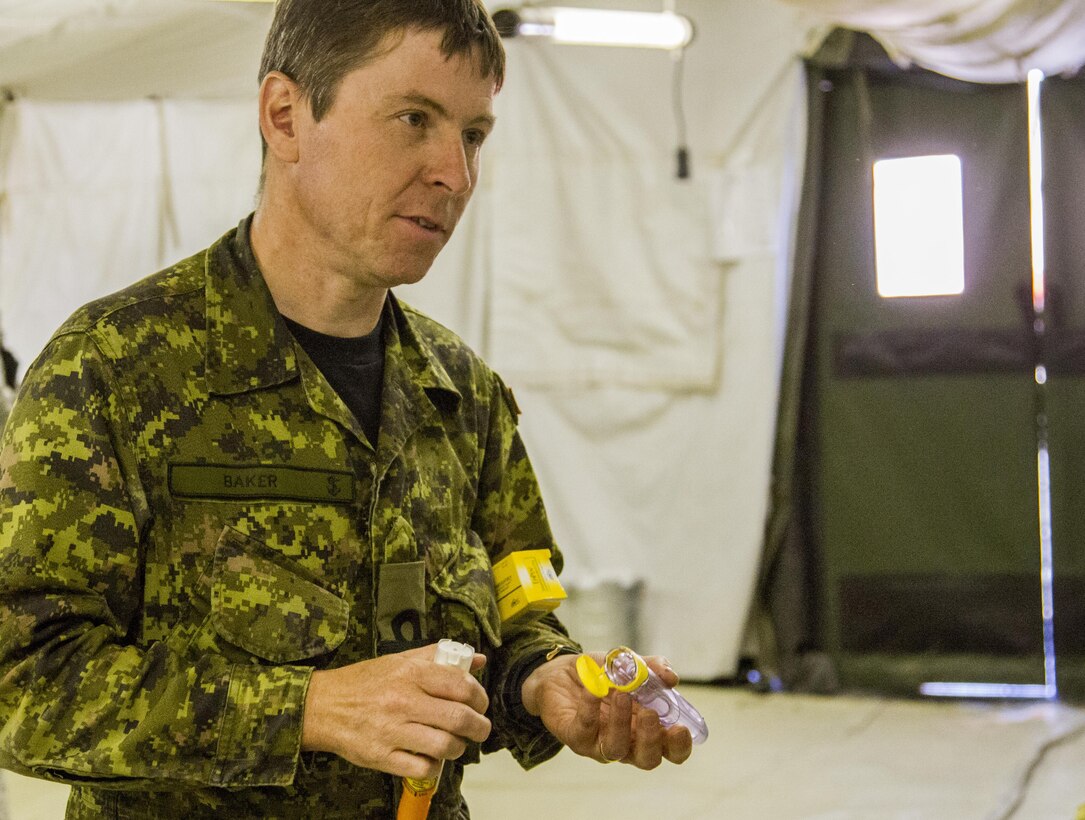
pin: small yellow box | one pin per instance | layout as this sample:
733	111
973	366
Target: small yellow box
526	584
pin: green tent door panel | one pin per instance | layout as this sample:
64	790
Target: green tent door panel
923	490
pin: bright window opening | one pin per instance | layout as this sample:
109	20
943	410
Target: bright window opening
919	226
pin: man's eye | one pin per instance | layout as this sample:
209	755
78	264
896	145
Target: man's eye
415	119
474	137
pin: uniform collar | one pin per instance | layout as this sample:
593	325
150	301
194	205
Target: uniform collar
248	343
421	363
250	347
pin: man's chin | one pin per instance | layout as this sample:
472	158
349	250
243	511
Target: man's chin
414	271
409	278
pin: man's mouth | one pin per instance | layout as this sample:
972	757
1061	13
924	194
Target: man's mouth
421	221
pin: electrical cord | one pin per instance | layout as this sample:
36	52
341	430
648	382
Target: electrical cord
677	76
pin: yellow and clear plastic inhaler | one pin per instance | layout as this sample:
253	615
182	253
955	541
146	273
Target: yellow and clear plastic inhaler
626	671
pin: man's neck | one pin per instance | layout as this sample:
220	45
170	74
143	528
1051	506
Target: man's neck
314	295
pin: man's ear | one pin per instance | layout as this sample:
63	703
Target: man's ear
281	104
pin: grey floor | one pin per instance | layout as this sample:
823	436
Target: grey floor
791	757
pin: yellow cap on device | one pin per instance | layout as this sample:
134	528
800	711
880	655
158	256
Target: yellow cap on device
598	682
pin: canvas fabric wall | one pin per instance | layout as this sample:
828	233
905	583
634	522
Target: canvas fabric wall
982	41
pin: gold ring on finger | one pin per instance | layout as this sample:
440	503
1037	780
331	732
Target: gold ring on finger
603	754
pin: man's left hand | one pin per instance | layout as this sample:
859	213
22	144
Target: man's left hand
615	728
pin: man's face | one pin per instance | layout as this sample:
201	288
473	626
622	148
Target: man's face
383	178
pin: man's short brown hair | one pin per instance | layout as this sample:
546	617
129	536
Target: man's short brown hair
318	42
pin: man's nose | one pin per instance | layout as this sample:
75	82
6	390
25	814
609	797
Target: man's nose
452	166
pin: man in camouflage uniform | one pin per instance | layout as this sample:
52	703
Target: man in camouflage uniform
220	575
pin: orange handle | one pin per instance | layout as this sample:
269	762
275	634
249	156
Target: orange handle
413	806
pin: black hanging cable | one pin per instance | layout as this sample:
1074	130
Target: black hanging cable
677	76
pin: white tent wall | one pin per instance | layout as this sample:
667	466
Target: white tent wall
637	316
981	41
127	49
98	194
75	210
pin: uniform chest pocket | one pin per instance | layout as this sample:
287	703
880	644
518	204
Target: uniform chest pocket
269	609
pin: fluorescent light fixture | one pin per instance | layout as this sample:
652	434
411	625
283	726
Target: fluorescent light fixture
919	226
597	27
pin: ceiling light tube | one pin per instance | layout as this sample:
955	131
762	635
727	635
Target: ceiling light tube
597	27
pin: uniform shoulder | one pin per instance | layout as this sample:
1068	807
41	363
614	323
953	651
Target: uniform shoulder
130	303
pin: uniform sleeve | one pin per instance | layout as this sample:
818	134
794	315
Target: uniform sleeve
81	700
510	516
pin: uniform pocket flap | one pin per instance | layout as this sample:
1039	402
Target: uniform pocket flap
263	606
467	576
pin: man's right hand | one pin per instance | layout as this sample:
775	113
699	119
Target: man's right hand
402	713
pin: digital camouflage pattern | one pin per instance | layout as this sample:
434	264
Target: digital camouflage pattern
191	521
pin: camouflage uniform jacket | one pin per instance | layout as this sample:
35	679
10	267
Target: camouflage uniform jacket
191	521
